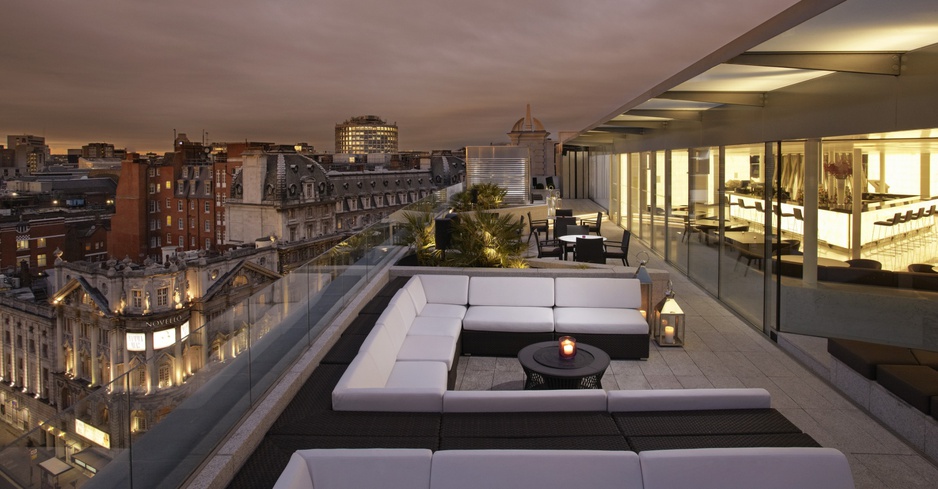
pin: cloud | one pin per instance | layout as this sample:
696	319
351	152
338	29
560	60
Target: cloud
451	73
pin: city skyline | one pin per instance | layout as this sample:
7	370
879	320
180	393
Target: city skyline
449	74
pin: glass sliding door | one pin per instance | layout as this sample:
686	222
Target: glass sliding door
678	212
704	214
742	270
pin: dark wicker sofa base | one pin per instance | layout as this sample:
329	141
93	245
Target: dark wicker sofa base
508	344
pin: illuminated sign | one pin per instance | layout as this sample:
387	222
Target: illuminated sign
93	434
136	342
162	339
184	331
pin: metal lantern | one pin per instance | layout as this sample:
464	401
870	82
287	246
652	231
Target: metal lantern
645	284
669	321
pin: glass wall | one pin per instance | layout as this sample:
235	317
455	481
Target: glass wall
844	235
704	217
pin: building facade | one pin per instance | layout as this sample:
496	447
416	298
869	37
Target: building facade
365	134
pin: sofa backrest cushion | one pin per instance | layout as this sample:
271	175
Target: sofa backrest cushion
414	287
373	467
542	469
446	289
598	292
383	347
765	468
508	401
511	291
688	399
363	373
404	303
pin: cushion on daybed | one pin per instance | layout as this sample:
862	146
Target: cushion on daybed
863	356
510	401
687	399
914	384
765	468
542	469
334	468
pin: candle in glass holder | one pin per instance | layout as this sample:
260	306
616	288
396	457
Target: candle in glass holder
567	346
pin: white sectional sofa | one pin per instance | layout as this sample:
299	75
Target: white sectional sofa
409	359
708	468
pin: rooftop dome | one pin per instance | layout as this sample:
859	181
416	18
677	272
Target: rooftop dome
527	123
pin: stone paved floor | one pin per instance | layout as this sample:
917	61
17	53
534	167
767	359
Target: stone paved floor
723	351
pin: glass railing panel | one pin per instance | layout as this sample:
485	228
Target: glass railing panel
155	425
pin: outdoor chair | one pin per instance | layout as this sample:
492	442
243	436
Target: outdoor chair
548	248
564	213
572	231
619	249
589	250
865	263
560	226
536	227
593	224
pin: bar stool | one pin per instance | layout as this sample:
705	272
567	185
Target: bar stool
777	209
799	218
882	227
760	215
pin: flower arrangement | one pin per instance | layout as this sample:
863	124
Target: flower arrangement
841	167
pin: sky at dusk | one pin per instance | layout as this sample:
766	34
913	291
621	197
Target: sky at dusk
449	73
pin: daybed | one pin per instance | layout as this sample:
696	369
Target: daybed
767	468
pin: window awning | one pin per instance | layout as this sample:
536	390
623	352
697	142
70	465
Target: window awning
92	459
55	466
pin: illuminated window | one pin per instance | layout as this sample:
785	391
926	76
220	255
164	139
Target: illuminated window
165	376
169	221
162	296
140	420
40	242
169	185
136	298
41	260
22	243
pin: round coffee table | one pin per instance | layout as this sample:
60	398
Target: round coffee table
545	369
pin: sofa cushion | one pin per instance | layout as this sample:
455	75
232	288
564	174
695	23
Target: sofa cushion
765	468
597	292
436	326
446	289
511	291
599	320
335	468
509	319
443	311
542	469
404	304
432	348
417	374
414	287
863	356
382	345
511	401
364	372
914	384
688	399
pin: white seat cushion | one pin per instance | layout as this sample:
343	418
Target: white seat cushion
509	319
418	375
431	326
765	468
541	469
511	291
414	287
599	320
443	311
509	401
688	399
422	348
397	468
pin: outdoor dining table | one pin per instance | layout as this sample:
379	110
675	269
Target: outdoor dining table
570	239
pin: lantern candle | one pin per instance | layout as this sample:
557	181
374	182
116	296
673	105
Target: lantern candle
669	335
567	346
